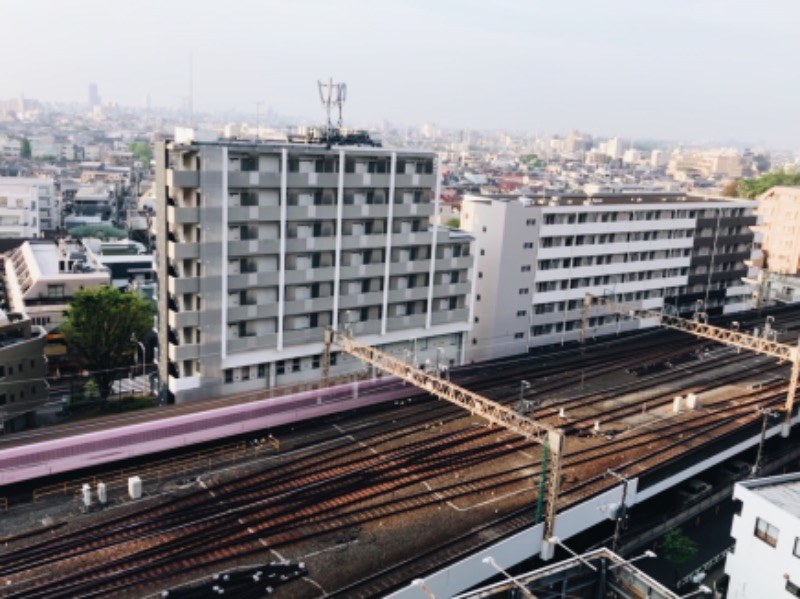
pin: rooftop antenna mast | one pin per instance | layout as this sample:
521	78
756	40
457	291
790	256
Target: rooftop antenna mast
332	94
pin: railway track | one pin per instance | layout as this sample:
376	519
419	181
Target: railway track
425	458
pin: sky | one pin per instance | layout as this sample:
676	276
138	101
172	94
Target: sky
683	70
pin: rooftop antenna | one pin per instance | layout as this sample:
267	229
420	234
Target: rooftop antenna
332	93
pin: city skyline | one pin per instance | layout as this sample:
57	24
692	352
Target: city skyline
679	70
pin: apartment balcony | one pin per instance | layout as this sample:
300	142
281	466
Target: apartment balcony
360	300
241	344
182	285
451	289
408	295
448	316
179	251
412	238
368	327
245	179
299	337
178	353
307	275
408	210
358	242
178	320
185	178
300	213
407	267
253	279
414	180
305	244
182	215
464	262
362	271
317	304
356	180
397	323
360	211
253	247
250	312
312	180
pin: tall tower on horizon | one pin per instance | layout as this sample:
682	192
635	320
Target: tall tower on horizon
94	95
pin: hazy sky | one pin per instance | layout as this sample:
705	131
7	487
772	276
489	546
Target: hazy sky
675	69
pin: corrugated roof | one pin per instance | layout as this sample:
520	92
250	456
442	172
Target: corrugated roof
785	495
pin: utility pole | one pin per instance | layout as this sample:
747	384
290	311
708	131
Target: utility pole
765	413
622	511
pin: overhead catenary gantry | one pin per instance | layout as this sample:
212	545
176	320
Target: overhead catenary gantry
699	327
551	438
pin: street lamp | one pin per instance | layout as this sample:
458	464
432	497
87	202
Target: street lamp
134	340
647	554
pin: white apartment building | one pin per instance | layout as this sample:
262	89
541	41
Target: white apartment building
766	561
23	200
261	246
41	277
538	258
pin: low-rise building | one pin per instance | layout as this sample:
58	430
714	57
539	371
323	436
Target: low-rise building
42	276
23	369
767	533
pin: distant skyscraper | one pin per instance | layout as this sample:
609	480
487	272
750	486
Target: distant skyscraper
94	95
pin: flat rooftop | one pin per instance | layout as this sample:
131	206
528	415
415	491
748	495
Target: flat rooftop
633	198
781	491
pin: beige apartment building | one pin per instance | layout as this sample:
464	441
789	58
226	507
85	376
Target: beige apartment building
779	217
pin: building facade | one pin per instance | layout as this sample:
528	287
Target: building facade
538	258
779	212
767	533
41	277
23	200
262	246
22	371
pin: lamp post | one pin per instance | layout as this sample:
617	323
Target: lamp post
135	341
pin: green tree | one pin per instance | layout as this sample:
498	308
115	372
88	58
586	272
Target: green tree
140	151
678	548
752	188
25	148
453	222
100	328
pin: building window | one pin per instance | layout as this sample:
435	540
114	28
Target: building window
521	312
523	291
792	588
2	399
480	275
519	335
530	222
484	229
528	245
245	373
796	551
483	252
477	319
296	365
766	532
316	359
262	371
55	291
228	375
280	367
474	341
526	268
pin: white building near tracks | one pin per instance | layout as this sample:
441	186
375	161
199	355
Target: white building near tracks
538	257
262	245
767	533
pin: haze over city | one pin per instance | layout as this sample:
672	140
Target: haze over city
709	70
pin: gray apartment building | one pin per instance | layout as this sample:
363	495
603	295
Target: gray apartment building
539	257
261	245
22	371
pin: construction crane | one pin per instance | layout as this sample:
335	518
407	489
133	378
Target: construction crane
699	327
551	438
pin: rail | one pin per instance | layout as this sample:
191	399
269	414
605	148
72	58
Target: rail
163	470
551	438
699	327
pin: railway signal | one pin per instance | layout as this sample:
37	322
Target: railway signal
550	437
698	326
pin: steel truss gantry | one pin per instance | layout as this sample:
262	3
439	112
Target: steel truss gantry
548	436
700	328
